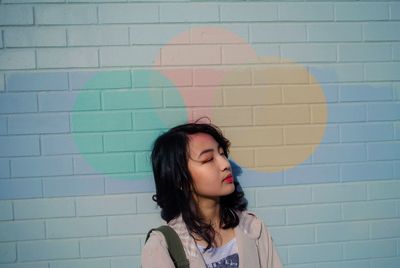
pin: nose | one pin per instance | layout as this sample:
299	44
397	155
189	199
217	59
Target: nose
224	163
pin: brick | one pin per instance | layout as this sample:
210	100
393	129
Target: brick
29	81
234	96
305	12
252	136
340	113
366	132
83	263
224	33
282	115
160	34
35	37
128	13
269	51
314	214
342	232
283	196
280	74
132	99
159	118
17	59
394	11
345	264
67	101
368	171
74	186
100	121
312	174
364	92
133	224
98	35
305	134
243	156
8	252
16	15
240	12
387	263
315	253
303	94
136	141
309	53
21	188
76	227
142	162
19	146
238	116
273	33
382	71
361	11
109	247
99	80
241	54
337	72
106	205
282	156
47	250
382	31
340	153
130	183
222	76
178	55
65	14
384	151
193	97
292	235
125	262
6	210
384	111
41	166
369	210
271	216
145	204
2	79
105	164
384	190
18	103
129	56
44	208
189	12
341	32
364	52
342	192
3	125
26	265
67	57
162	78
369	249
21	230
68	144
396	51
385	229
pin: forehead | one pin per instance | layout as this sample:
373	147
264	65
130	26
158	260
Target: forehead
200	141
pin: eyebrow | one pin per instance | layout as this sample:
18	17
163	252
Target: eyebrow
208	151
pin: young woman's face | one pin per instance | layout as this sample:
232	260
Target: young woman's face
209	167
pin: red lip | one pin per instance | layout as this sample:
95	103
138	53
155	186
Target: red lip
228	179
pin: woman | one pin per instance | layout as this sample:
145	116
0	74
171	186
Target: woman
202	202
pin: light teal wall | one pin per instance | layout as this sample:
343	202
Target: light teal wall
81	100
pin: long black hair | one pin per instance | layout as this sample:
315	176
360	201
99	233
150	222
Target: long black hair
173	181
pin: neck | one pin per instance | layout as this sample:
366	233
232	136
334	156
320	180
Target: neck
210	210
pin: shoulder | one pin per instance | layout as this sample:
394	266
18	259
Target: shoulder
251	225
155	251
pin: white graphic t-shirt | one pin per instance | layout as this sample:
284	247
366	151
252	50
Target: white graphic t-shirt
222	257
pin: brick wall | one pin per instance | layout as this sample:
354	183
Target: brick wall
308	93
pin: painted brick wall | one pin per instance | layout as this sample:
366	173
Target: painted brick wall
85	86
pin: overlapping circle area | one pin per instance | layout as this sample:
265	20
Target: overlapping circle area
272	110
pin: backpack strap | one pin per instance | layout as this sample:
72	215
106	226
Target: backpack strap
174	244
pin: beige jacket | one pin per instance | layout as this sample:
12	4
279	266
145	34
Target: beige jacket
255	246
